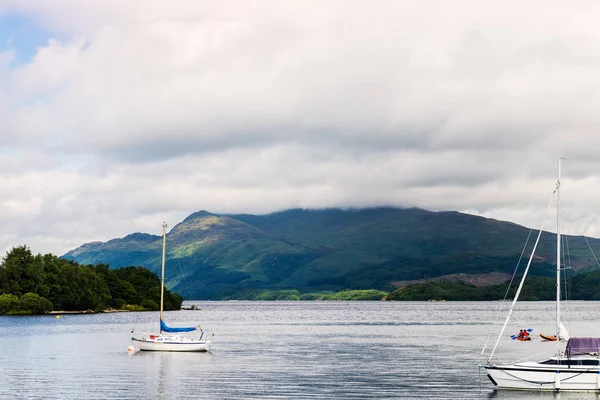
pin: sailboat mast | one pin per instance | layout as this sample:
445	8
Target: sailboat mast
558	251
162	281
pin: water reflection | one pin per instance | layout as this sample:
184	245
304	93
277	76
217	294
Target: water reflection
324	350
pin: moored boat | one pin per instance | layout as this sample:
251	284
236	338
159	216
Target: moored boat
171	339
576	368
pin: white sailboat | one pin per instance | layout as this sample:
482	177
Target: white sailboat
169	338
576	368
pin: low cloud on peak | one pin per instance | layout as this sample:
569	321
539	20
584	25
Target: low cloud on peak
118	115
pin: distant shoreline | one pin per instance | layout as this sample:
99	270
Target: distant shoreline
110	310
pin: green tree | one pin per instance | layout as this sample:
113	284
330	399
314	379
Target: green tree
20	271
35	303
173	301
150	305
81	289
8	303
44	281
51	275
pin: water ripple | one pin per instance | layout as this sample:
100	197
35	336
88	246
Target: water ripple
277	350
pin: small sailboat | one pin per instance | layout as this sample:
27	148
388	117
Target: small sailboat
170	338
574	368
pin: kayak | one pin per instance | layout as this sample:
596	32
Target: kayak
550	338
522	337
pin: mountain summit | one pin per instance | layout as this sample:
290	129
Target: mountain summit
212	255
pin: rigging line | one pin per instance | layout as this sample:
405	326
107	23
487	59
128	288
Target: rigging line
148	284
567	266
568	280
480	380
568	273
526	380
518	263
529	357
499	308
522	279
185	280
574	375
593	254
146	292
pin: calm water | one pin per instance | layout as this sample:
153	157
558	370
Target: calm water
275	350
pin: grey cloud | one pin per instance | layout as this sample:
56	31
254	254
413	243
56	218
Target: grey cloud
149	110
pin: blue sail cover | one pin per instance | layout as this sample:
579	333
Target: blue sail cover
165	328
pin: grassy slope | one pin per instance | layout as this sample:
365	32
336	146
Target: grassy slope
209	255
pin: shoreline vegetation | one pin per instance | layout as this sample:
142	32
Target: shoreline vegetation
46	284
40	284
583	286
107	311
295	295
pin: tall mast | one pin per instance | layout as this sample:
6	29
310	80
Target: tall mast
558	252
162	281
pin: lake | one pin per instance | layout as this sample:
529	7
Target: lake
282	350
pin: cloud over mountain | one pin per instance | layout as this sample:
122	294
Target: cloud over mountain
130	113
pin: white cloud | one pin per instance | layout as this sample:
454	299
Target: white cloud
140	111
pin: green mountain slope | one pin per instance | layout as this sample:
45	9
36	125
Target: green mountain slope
210	256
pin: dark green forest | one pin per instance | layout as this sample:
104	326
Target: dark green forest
38	284
216	257
581	286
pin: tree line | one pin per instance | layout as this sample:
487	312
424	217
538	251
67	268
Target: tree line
38	284
581	286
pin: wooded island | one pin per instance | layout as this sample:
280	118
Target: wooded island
38	284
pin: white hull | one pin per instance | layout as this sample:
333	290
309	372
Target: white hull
171	343
538	376
575	369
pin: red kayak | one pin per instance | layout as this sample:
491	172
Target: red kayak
524	339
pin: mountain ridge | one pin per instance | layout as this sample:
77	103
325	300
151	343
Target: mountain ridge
213	255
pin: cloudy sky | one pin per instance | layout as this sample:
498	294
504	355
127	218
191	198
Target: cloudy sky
116	115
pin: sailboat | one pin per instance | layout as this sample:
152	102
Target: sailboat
170	338
576	368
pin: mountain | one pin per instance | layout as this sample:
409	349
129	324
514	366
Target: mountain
212	255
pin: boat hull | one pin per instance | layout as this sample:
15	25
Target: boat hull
189	345
536	377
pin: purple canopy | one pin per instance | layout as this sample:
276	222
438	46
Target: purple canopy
582	345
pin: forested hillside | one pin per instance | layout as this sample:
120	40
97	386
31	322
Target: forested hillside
219	256
582	286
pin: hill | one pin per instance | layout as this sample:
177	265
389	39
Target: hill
213	256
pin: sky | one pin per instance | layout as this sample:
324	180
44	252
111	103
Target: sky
118	115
